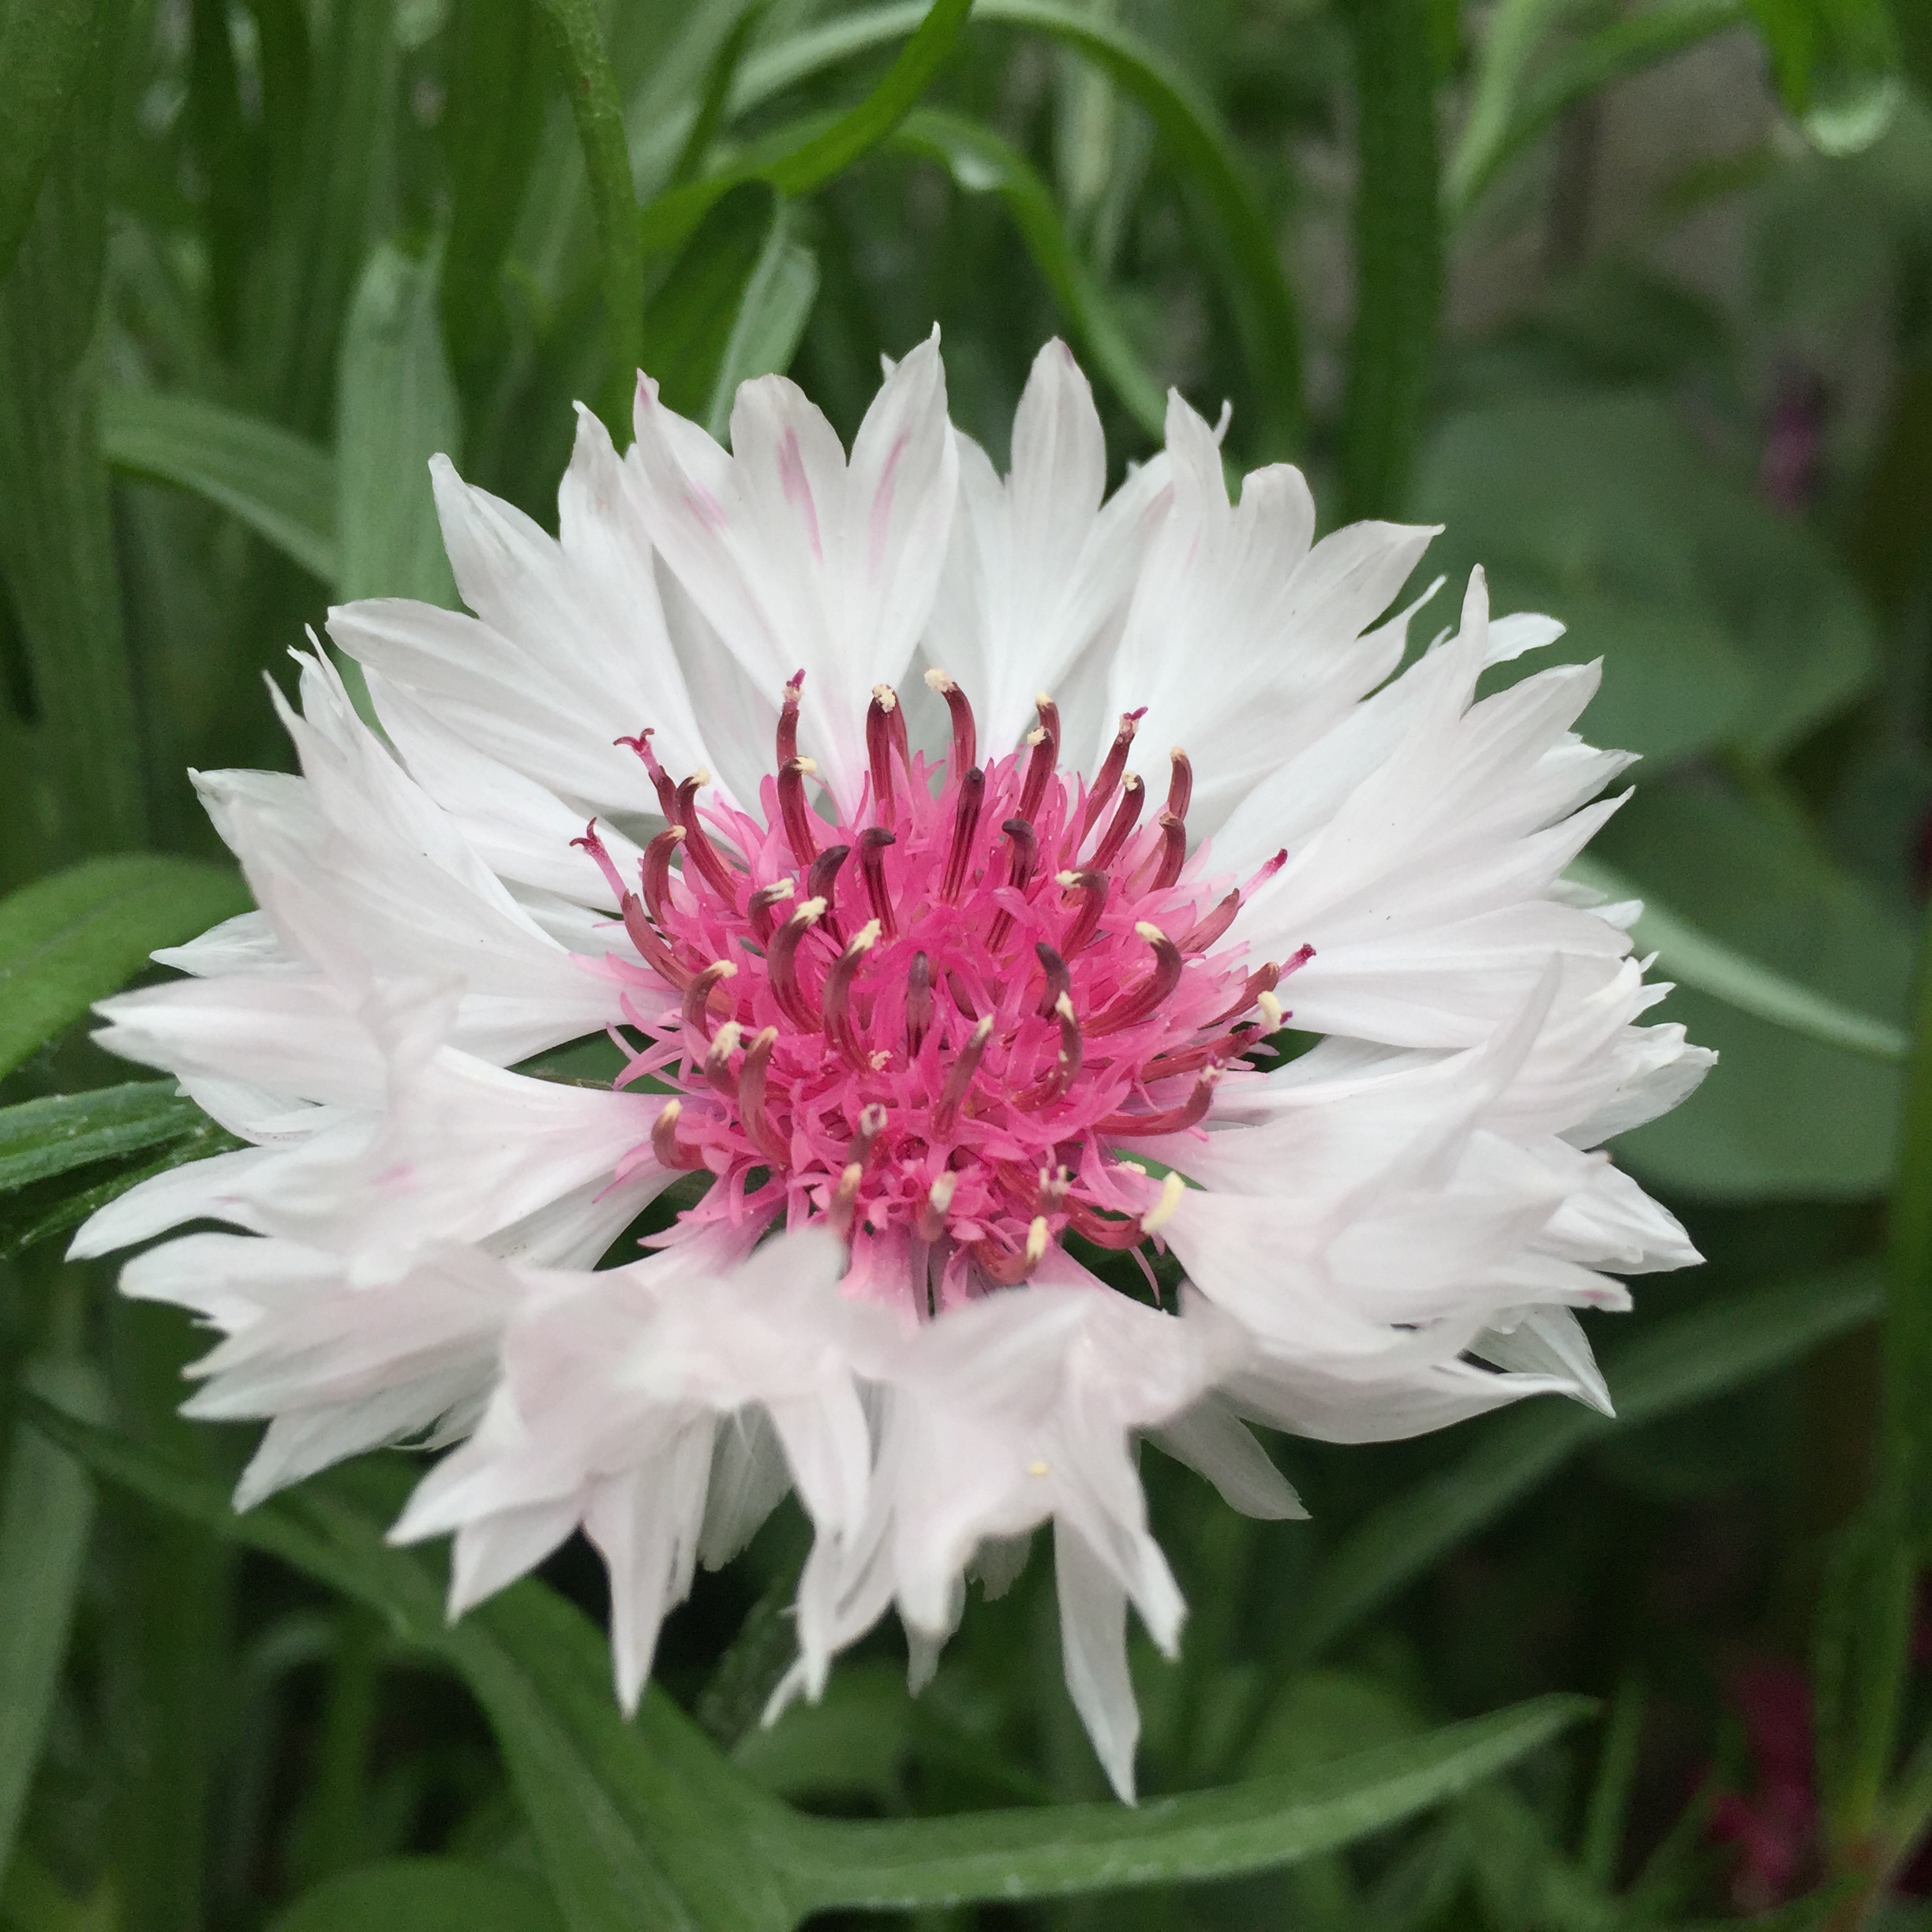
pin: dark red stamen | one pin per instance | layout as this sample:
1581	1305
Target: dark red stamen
761	908
698	844
1172	851
665	1145
1092	887
660	778
1108	775
1018	870
879	746
1058	979
1144	999
965	732
822	878
918	1008
1126	816
1042	749
717	1065
1211	928
645	938
872	844
752	1079
836	999
1180	783
794	811
1171	1120
960	1077
965	822
781	966
698	995
655	873
788	720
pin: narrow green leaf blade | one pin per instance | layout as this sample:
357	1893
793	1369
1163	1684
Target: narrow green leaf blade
40	1139
43	53
281	486
1694	958
1250	1827
45	1514
981	162
1678	1362
74	937
396	408
423	1895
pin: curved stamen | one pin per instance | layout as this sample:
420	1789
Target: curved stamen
1018	870
698	843
658	955
962	999
1042	749
752	1078
965	822
1172	851
660	778
960	1077
669	1151
593	843
931	1222
1180	783
1108	775
821	880
872	844
763	902
698	995
965	732
837	996
1092	887
1008	1269
1265	978
842	1210
781	966
788	720
1170	1120
1144	999
1049	717
871	1125
878	748
1126	816
717	1061
918	1006
794	811
1102	1232
1059	981
655	874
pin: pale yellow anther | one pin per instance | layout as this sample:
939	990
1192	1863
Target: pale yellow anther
676	834
881	1058
1131	782
849	1183
724	1041
1036	737
702	775
722	969
668	1114
884	697
866	937
1042	700
781	890
1162	1211
809	914
936	680
940	1194
1064	1007
764	1038
1038	1468
1069	880
981	1032
1271	1010
1036	1241
807	767
1150	932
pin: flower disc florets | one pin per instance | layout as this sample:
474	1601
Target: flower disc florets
923	1024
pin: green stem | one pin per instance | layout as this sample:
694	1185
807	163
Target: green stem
56	545
1398	254
348	1721
592	86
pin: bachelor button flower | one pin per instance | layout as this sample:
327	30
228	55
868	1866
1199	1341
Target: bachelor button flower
943	987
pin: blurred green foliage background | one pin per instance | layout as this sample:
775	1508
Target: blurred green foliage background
1635	300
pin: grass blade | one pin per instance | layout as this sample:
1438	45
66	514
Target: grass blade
1678	1363
395	408
45	1514
44	50
578	41
282	487
74	938
1691	956
1009	1855
40	1139
981	162
423	1895
1398	255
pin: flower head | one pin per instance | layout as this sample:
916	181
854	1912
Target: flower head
947	853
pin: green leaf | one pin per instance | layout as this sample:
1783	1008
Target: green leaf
396	408
44	50
283	487
490	128
1837	67
796	160
70	939
981	162
46	1512
1398	255
1682	1360
423	1895
1510	108
1236	233
1754	874
1267	1822
41	1138
1690	956
577	39
732	306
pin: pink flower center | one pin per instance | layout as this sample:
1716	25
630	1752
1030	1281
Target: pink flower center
933	1024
